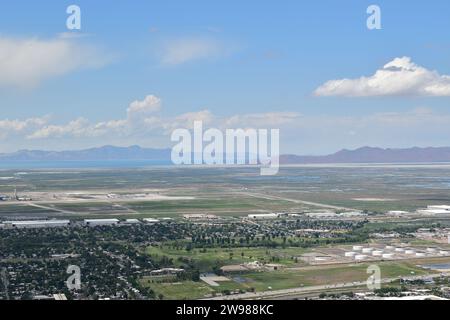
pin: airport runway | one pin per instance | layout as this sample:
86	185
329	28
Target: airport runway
315	204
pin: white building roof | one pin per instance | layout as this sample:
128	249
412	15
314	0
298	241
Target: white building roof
37	222
433	211
132	221
264	215
443	207
101	220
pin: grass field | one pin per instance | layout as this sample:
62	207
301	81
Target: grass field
219	257
179	290
329	275
276	280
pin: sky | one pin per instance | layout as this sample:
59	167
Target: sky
137	70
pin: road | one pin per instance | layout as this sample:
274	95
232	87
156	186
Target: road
311	289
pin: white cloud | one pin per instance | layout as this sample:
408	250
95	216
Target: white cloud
27	62
300	134
142	121
76	128
150	104
185	50
262	120
17	127
186	120
400	77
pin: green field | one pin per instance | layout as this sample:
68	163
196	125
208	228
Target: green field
287	279
179	290
231	191
205	260
329	275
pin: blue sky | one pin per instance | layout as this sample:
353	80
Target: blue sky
258	63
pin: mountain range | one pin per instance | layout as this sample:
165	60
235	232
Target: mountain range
104	153
361	155
375	155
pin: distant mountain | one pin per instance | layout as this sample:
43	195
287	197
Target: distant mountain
361	155
94	154
374	155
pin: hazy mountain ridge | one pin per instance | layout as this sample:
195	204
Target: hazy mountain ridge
375	155
94	154
361	155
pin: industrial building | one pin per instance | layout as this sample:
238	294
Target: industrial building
435	210
352	214
397	213
377	251
318	215
32	224
151	220
100	222
440	207
200	217
131	221
266	216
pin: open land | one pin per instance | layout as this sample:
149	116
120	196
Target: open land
211	236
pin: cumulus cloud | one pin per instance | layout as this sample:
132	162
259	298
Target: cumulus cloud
300	133
142	120
187	120
150	104
17	127
400	77
179	51
27	62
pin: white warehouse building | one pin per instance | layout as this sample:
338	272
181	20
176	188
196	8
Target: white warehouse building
100	222
33	224
151	220
263	216
435	210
